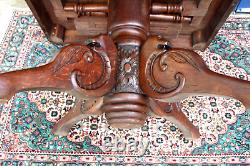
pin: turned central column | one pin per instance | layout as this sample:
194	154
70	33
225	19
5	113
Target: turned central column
128	21
128	25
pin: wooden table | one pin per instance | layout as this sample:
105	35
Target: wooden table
129	59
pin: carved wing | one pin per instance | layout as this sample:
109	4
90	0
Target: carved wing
77	69
194	76
69	55
96	77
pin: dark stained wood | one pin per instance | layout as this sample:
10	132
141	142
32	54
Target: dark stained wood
124	26
83	8
159	8
126	110
42	16
87	1
57	4
170	18
86	26
203	37
57	34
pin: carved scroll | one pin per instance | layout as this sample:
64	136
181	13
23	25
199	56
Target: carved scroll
152	55
83	71
98	76
199	80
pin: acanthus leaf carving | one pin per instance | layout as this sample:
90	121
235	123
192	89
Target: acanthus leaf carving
70	55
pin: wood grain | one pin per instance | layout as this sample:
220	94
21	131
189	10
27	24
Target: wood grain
144	75
197	79
201	19
88	62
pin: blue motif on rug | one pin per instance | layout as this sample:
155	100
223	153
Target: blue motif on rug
35	130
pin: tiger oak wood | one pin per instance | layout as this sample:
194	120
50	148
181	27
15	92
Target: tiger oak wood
174	74
57	75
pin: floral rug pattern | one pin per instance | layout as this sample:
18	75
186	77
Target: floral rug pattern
27	119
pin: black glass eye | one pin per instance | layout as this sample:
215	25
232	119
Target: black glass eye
163	46
94	44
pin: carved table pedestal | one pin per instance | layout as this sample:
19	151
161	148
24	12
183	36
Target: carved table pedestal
141	64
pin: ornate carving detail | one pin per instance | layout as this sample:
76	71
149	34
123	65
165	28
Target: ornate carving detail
180	56
96	75
152	82
155	59
88	56
127	79
70	55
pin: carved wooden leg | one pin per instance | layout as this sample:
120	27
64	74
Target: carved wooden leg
82	109
174	74
78	69
173	113
85	71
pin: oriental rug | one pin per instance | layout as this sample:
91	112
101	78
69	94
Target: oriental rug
27	119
